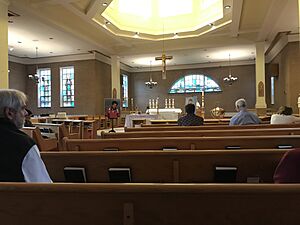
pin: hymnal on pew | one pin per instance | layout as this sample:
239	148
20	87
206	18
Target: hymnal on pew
225	174
284	146
119	175
75	174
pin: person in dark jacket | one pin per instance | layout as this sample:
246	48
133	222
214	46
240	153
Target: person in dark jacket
190	119
20	159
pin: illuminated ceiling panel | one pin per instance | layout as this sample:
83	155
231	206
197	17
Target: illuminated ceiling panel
159	17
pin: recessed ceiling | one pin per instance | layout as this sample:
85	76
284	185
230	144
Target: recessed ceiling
72	25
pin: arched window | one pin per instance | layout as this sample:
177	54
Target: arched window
193	84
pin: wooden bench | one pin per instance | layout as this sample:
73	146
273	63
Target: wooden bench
148	204
204	133
183	143
210	127
43	143
166	166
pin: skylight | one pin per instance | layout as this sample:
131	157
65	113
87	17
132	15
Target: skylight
158	17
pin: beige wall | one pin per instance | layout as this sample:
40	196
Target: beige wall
17	76
92	85
287	84
244	88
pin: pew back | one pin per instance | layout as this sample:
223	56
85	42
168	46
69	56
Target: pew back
166	167
43	143
184	143
148	204
211	127
203	133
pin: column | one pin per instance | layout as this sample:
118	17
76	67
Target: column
115	76
3	44
260	105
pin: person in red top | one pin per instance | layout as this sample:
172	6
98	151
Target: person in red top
113	111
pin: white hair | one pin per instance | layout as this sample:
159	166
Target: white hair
11	98
241	104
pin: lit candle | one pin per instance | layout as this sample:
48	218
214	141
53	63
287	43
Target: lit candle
131	103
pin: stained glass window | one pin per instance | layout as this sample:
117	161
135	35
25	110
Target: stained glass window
44	88
194	84
125	90
67	86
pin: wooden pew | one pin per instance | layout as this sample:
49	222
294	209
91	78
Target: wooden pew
183	143
210	127
204	133
43	143
148	204
166	166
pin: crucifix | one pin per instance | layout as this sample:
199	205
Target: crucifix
164	59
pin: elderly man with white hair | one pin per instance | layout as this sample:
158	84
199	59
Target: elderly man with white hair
243	117
20	159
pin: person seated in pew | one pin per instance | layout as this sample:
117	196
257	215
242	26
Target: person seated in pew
28	122
20	159
190	119
284	116
243	117
288	169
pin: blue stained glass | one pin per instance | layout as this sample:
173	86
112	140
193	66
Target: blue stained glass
194	84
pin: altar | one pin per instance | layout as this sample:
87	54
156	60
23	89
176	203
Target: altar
131	117
165	114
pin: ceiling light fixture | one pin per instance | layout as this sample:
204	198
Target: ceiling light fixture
136	35
104	4
229	80
107	22
227	6
150	84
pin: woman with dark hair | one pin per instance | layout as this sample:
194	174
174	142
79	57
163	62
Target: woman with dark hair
284	116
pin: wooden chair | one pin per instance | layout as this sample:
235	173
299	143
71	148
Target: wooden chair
43	143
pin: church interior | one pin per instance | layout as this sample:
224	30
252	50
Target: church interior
107	81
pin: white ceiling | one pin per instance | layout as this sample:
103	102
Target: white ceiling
73	32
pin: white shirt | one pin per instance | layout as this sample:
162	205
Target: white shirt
33	167
284	119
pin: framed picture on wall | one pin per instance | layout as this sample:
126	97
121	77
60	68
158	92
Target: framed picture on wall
191	100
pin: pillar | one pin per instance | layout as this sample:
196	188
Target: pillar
115	76
260	105
3	44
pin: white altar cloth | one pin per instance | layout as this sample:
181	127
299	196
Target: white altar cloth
147	117
165	114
